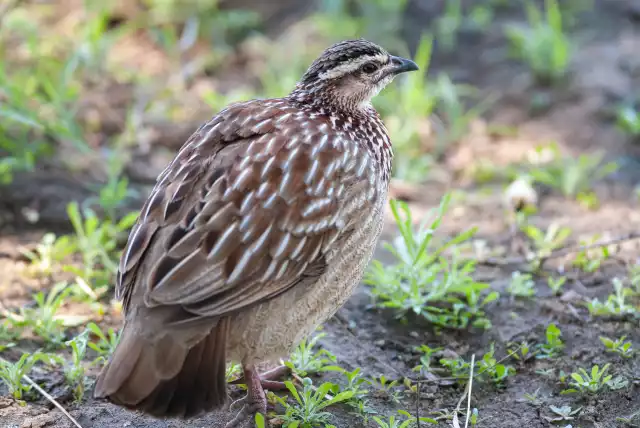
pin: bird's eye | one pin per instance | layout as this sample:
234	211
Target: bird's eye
370	67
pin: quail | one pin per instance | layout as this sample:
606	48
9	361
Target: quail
256	232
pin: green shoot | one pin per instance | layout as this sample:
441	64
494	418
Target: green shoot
556	284
43	319
616	304
521	285
424	280
309	407
305	361
543	45
628	120
563	414
105	343
48	253
553	345
594	381
12	374
618	346
74	372
406	422
573	176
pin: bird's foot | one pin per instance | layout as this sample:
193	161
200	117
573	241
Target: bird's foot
269	380
254	402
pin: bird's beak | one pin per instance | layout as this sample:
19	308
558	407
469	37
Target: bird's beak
402	65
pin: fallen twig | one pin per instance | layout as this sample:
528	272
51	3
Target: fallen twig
50	398
509	261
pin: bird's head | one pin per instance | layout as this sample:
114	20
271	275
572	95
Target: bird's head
350	73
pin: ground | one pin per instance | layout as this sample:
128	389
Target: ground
605	71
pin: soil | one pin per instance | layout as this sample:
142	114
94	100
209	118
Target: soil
605	71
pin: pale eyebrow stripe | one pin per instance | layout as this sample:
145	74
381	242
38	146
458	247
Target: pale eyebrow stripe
352	65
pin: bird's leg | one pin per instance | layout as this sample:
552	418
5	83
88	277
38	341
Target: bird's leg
254	402
270	379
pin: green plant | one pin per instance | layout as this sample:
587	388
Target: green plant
618	346
448	25
545	242
48	253
628	120
562	414
533	399
406	422
542	45
305	361
74	372
12	374
387	388
553	344
308	410
556	284
521	352
96	242
451	100
43	319
521	285
590	261
594	381
489	368
426	358
616	304
105	344
572	176
425	280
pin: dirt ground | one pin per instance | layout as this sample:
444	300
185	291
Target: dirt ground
606	70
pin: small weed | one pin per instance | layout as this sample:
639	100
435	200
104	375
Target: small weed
305	361
425	282
309	407
562	414
533	399
553	345
488	367
48	254
406	422
628	120
105	344
12	374
545	242
521	352
387	388
426	358
556	284
43	319
543	45
448	25
594	381
618	346
521	285
616	304
590	261
451	100
572	176
74	372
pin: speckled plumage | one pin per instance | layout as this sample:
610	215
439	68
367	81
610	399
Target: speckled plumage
257	232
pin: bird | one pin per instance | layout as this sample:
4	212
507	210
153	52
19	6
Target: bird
256	233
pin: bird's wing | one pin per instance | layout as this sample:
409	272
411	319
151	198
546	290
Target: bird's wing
249	207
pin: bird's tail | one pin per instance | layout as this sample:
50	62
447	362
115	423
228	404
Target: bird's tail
165	377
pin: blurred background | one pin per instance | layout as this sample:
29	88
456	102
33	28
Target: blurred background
516	103
97	96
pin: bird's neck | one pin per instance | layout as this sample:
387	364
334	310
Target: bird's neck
359	121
